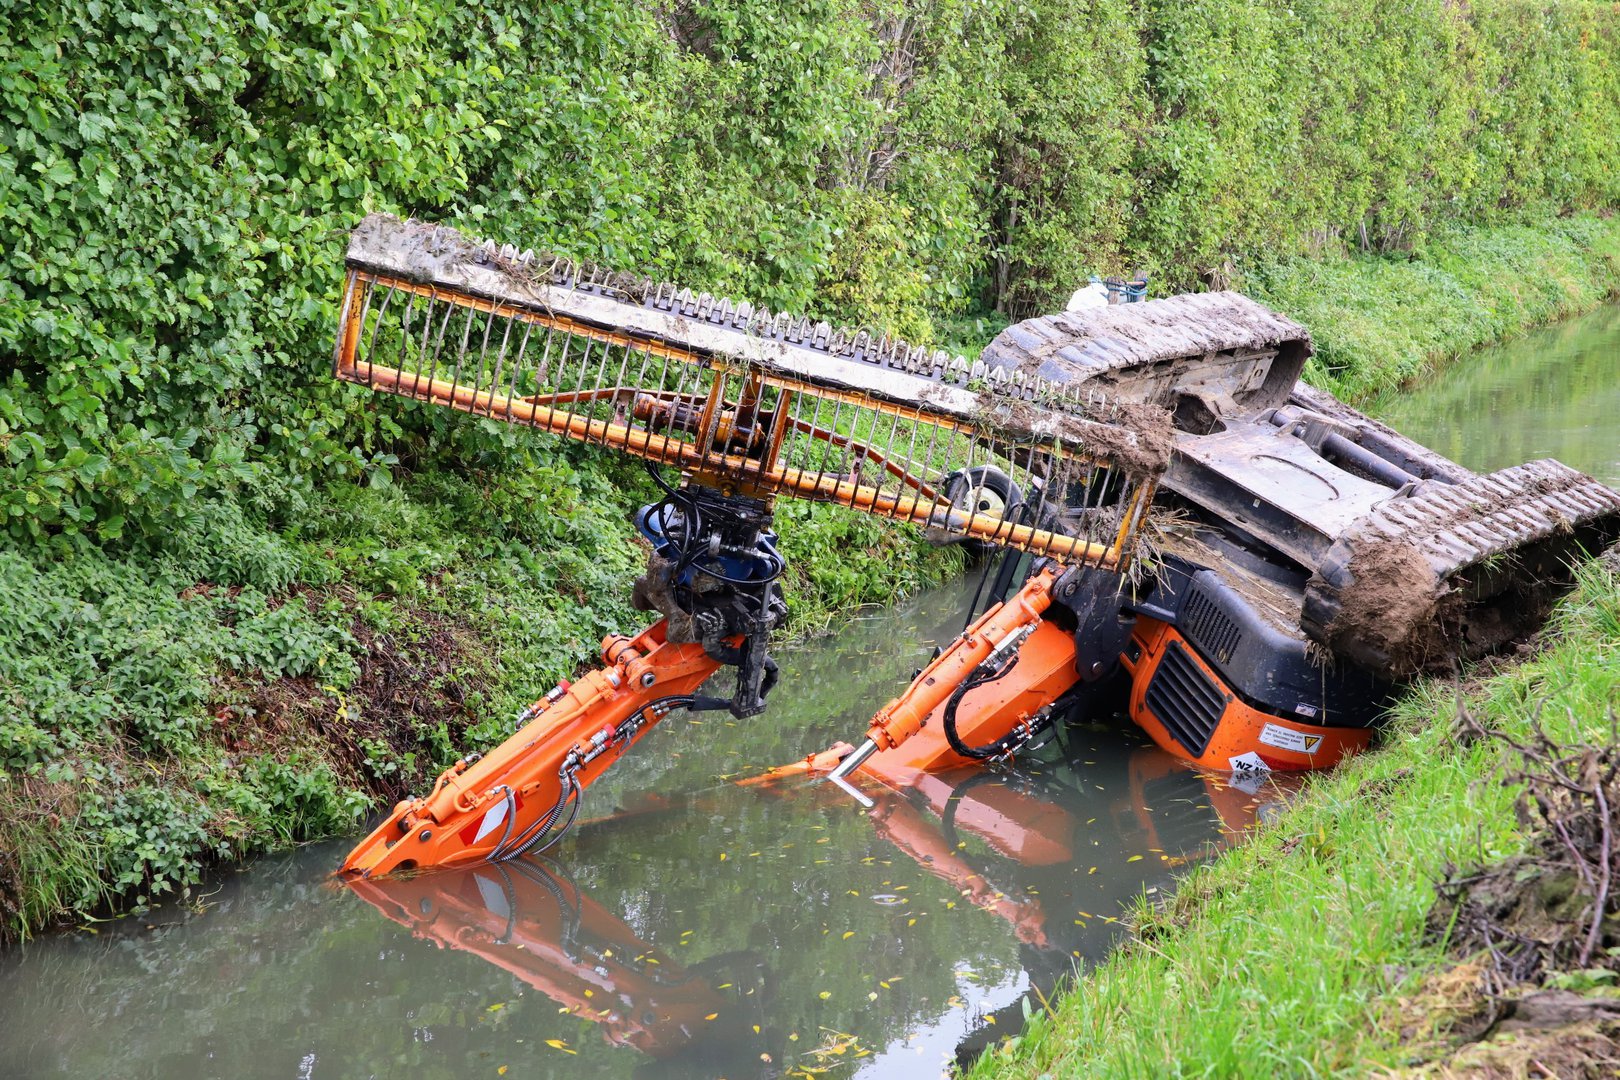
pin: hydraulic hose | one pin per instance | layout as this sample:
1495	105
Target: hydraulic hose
1004	745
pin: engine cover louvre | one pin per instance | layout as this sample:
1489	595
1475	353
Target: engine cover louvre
1185	699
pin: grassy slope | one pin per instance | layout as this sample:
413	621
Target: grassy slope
1380	321
1287	956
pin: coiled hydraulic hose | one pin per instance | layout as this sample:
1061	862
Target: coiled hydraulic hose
1000	747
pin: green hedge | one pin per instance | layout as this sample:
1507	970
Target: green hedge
174	187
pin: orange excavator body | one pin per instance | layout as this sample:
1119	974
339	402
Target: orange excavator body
1059	442
1279	743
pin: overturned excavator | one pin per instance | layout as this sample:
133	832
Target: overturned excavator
1246	565
1304	559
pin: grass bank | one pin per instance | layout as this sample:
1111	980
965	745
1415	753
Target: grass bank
1381	320
1308	951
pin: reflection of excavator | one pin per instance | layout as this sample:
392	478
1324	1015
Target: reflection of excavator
531	920
1300	557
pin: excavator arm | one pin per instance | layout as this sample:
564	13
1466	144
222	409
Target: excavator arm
747	406
526	792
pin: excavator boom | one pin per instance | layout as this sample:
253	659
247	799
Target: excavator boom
747	406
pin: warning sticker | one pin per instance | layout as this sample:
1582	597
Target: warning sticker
1288	739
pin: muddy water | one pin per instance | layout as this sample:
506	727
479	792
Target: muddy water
1554	393
693	929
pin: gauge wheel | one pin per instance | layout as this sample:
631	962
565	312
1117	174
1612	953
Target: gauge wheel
983	489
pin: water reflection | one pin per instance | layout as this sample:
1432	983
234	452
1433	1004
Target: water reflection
1552	393
531	920
1010	845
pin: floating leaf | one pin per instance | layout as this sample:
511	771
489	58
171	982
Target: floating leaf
848	934
824	995
1134	858
711	1016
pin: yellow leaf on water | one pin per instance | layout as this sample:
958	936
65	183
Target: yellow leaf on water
848	934
1134	858
497	1007
825	994
722	856
501	1071
711	1016
989	1019
590	993
872	996
558	1044
756	1029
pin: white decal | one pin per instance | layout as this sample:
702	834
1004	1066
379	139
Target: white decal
1248	763
1289	739
492	820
